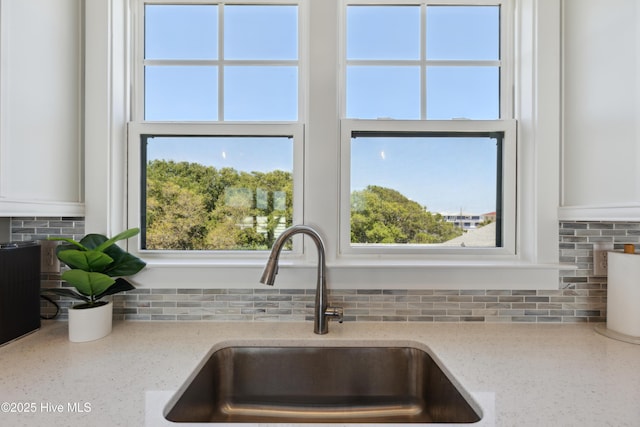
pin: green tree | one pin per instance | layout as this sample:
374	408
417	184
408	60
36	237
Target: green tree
192	206
176	217
383	215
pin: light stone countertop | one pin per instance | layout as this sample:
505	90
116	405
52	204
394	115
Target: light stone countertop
539	374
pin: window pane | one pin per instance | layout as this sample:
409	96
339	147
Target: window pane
389	92
217	193
411	189
260	32
261	93
181	93
463	92
463	32
383	32
181	32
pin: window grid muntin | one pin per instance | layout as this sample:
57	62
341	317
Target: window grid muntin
505	98
138	109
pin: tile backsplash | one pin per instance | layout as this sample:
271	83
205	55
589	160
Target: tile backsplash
580	297
38	228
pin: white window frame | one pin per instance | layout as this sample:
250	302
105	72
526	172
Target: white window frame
505	62
108	109
220	127
505	123
508	178
138	52
136	131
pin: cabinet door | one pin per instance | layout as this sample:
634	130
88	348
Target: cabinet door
40	115
601	106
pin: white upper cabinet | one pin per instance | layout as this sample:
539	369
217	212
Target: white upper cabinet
601	110
41	83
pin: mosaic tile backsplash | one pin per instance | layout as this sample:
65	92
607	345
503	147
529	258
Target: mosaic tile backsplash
580	297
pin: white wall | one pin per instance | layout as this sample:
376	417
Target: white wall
40	113
601	110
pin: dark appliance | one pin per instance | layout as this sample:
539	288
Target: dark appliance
19	289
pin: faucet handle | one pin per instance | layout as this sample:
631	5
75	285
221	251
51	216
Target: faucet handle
337	312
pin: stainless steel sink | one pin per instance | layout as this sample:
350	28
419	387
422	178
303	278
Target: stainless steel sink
247	384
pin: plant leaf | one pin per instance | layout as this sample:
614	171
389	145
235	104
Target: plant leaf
124	263
93	240
88	282
121	236
121	285
90	260
70	241
65	292
90	304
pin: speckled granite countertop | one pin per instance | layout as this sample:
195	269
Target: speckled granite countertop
540	375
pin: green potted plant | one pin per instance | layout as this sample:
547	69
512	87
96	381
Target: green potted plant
96	269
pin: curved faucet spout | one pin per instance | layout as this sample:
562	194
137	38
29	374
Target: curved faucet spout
271	269
322	310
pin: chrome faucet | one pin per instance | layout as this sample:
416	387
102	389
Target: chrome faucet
322	310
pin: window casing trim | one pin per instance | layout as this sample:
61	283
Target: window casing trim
107	110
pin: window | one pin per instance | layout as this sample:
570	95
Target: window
216	192
212	62
321	134
409	181
410	167
422	61
218	113
424	119
427	128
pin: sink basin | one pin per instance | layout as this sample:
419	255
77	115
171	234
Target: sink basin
308	384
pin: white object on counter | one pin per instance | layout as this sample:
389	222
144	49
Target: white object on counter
623	298
90	324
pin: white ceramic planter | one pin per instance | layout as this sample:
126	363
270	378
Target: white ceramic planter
90	324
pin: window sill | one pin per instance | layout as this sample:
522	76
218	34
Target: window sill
378	263
446	264
452	274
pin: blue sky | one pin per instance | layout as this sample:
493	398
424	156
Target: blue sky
446	176
245	154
